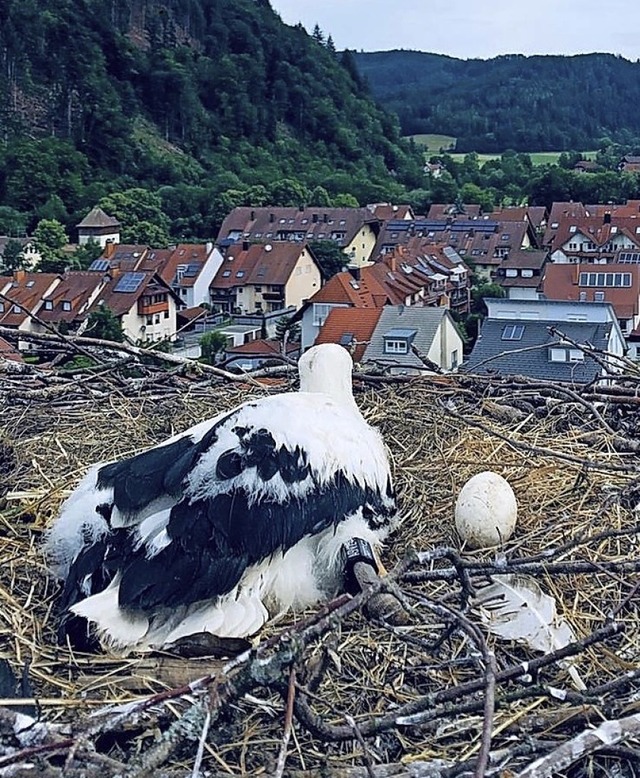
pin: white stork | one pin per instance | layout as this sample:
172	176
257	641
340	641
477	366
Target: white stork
230	523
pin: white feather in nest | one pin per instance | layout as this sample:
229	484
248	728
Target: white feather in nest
514	607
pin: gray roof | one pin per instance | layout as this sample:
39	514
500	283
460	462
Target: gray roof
492	354
424	321
98	218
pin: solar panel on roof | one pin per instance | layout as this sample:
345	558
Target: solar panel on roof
192	270
99	264
129	282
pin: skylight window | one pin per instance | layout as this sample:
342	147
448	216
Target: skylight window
513	332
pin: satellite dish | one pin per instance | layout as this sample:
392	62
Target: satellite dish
268	247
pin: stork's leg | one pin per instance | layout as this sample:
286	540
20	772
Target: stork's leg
362	570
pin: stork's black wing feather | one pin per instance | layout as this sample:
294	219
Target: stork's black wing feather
214	540
161	470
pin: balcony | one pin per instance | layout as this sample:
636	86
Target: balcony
146	308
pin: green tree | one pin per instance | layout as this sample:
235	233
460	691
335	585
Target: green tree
285	328
136	207
85	254
104	324
50	238
481	291
12	257
329	256
12	222
211	344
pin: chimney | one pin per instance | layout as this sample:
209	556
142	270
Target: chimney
607	217
355	271
393	262
272	217
314	218
245	245
325	218
109	249
19	275
252	216
301	208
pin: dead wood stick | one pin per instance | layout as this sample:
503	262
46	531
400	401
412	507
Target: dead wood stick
288	724
608	734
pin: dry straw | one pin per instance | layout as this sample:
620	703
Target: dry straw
367	694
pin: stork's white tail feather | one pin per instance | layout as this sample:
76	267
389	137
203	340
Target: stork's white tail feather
114	625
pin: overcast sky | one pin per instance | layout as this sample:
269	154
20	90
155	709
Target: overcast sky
469	28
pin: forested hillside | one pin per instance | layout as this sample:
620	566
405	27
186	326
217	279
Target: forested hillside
209	103
523	103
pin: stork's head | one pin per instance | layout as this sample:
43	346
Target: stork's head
327	368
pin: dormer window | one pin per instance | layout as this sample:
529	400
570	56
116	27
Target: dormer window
66	305
398	341
48	305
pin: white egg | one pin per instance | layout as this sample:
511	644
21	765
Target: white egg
486	511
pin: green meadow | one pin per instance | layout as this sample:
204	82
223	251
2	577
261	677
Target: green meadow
433	144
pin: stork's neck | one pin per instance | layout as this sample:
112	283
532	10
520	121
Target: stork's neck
336	386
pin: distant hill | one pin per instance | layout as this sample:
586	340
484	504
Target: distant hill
218	93
535	103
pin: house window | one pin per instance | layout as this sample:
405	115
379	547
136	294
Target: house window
598	297
240	274
1	307
66	305
166	314
226	273
605	279
454	359
16	309
149	319
258	289
320	313
558	354
511	272
513	332
48	305
396	346
156	319
575	355
527	272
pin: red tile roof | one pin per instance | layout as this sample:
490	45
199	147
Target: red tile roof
275	223
7	351
27	289
357	322
262	348
257	264
561	282
75	288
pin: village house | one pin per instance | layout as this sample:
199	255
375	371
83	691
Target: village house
401	332
258	353
351	328
616	284
540	339
23	295
188	267
99	227
482	241
29	254
629	164
520	274
417	274
145	304
66	305
354	230
261	278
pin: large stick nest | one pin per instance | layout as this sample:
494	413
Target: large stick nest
362	694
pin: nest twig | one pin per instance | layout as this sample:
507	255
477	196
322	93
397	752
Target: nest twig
364	697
